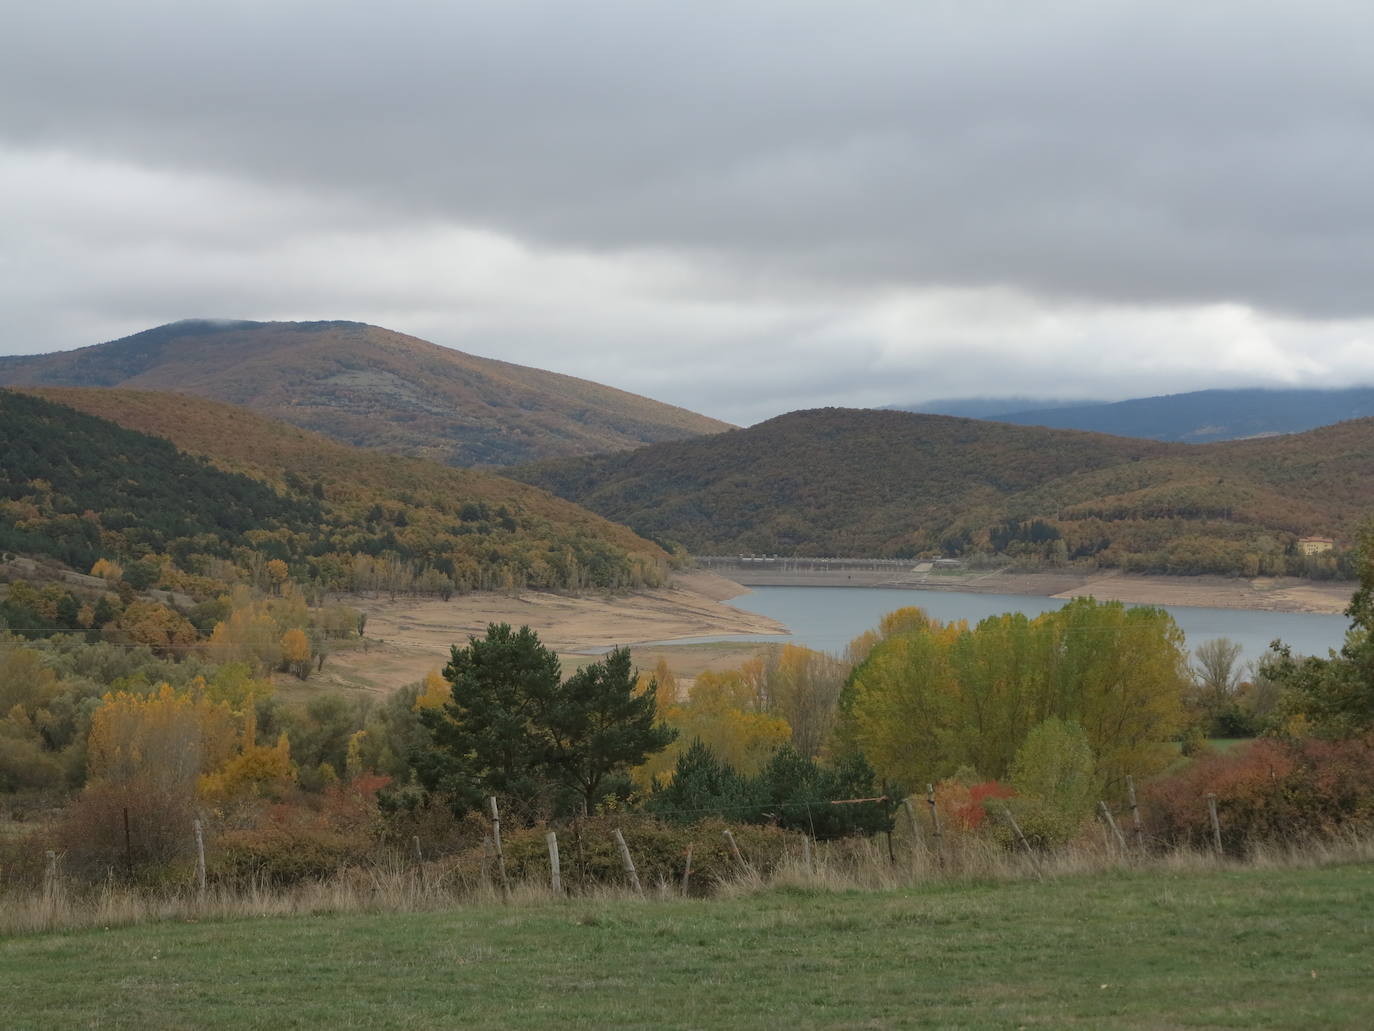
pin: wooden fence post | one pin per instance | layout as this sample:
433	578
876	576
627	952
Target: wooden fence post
1216	824
935	819
1135	814
50	877
890	821
500	856
806	854
627	862
916	841
1017	828
734	850
420	862
1030	853
200	860
687	871
128	847
1111	822
555	874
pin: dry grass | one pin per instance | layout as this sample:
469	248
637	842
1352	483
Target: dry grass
860	865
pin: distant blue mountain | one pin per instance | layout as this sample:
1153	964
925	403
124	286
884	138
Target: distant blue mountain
989	407
1198	417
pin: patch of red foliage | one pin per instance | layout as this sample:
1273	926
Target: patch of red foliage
1270	790
967	806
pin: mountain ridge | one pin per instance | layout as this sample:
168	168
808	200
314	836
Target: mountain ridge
369	386
1194	417
860	482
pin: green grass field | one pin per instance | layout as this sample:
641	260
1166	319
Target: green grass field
1233	948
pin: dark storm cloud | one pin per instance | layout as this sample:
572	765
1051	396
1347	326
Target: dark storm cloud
1157	153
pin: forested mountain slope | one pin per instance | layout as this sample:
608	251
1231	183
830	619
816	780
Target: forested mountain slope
228	485
858	482
372	387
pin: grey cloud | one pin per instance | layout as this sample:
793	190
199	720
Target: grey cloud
1151	153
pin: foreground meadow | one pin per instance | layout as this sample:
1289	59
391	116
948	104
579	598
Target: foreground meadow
1238	947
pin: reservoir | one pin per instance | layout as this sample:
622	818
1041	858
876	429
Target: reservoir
828	618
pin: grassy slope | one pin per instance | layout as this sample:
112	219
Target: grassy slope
240	441
1220	949
837	481
372	386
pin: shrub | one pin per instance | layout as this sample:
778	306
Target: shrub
791	790
798	791
980	796
1054	776
1270	790
285	853
701	781
139	826
293	843
659	851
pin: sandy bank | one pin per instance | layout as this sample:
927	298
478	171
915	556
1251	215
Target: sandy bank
1287	594
412	636
1277	594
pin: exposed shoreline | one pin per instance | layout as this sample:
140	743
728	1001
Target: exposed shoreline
409	637
1264	594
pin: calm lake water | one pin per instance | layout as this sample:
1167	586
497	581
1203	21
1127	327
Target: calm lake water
828	618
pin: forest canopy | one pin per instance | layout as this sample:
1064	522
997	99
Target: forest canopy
853	483
80	489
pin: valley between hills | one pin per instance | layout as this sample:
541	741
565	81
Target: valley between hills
443	523
412	636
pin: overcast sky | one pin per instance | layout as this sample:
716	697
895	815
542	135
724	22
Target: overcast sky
744	208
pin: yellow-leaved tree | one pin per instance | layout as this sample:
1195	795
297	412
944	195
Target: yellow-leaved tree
434	691
145	754
250	635
259	771
256	771
931	699
722	712
32	740
277	573
166	632
803	687
295	652
901	711
108	570
168	735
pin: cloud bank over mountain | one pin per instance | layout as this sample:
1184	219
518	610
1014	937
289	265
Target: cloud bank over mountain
739	208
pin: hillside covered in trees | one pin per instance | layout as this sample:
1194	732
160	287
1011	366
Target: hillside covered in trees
227	491
372	387
881	483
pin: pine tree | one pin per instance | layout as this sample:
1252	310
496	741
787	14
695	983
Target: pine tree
600	725
511	728
486	739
